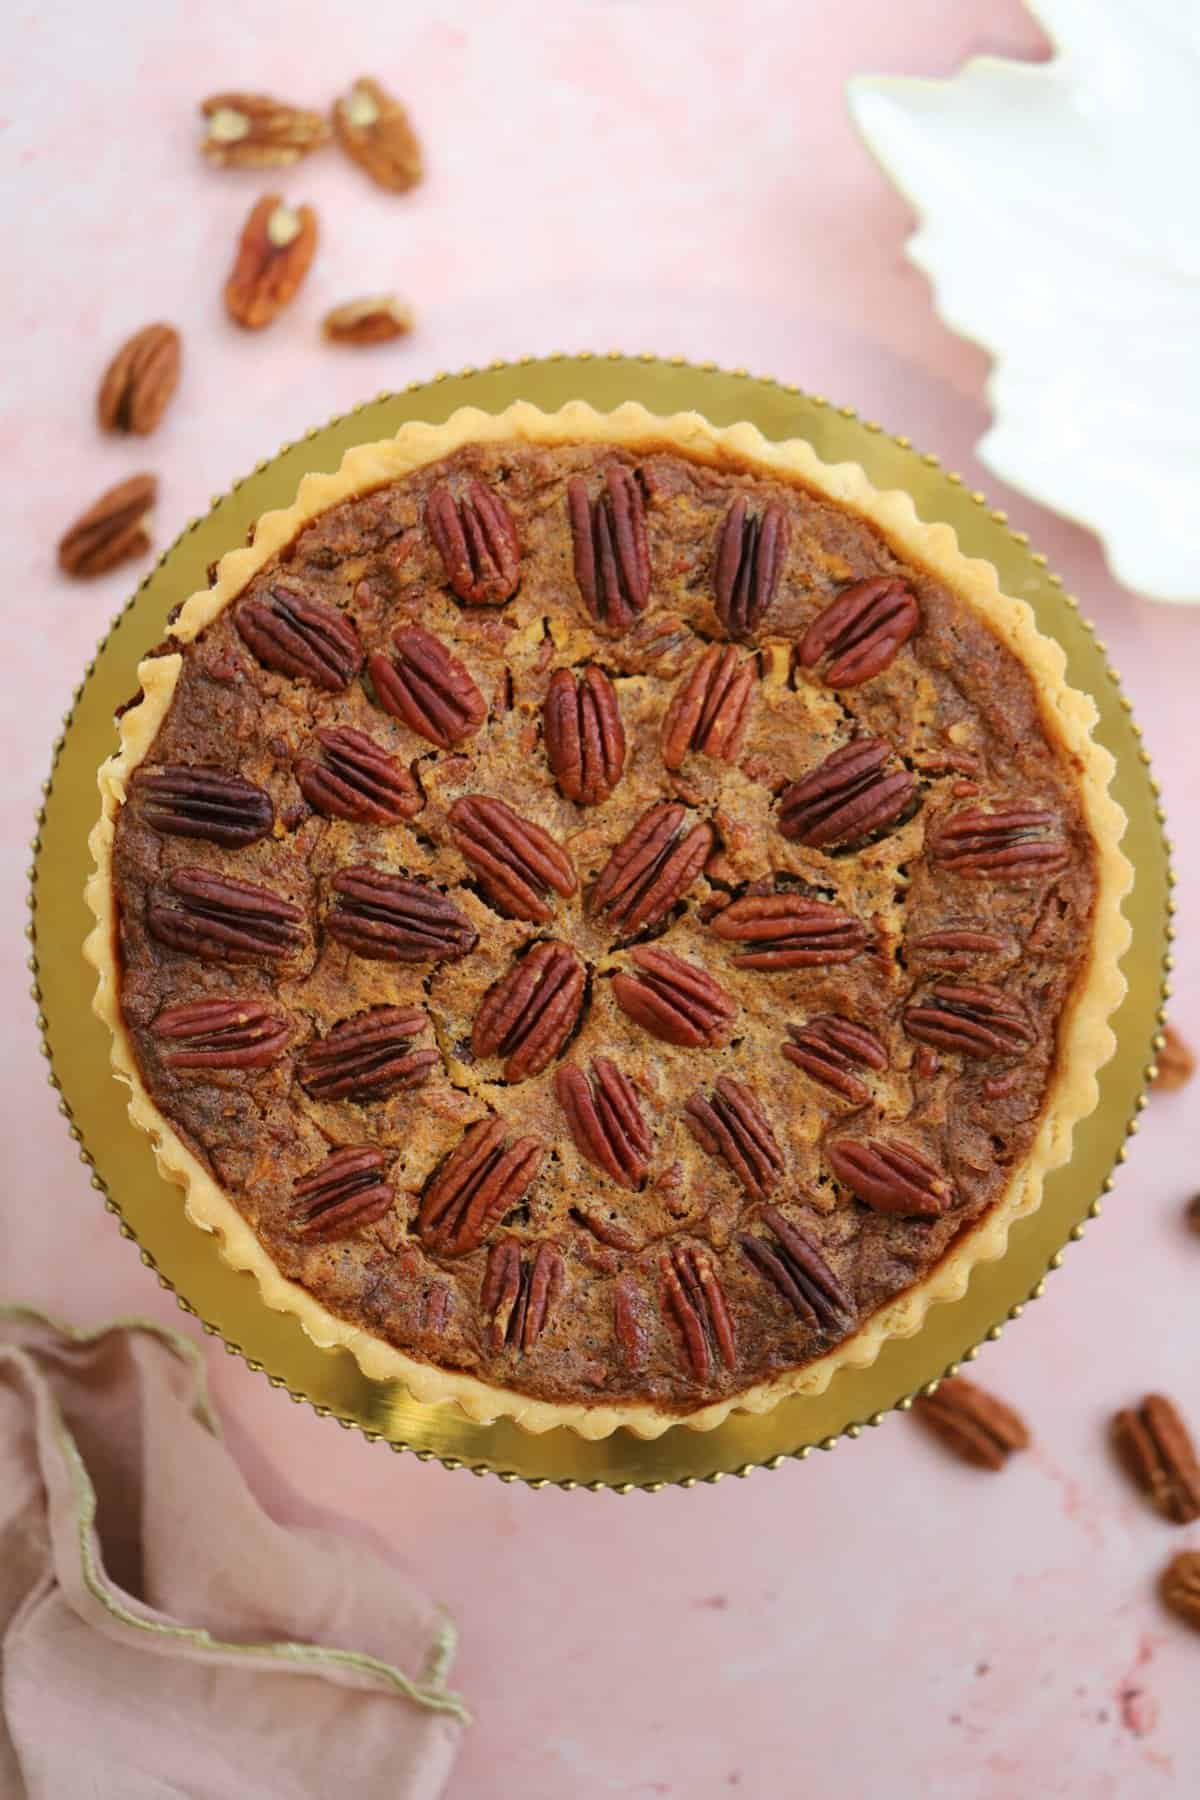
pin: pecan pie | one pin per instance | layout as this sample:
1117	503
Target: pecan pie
607	918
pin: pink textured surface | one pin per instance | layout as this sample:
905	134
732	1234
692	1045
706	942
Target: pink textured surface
666	177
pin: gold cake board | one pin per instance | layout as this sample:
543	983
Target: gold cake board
187	1261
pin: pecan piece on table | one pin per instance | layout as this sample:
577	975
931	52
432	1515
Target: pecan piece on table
788	931
675	1000
710	710
374	131
255	131
112	530
750	555
585	741
373	319
1179	1585
368	1057
184	800
518	863
832	1050
1013	843
139	381
847	798
520	1291
528	1015
428	688
274	253
390	918
973	1423
1174	1064
730	1124
347	1190
1156	1449
220	1034
480	1181
891	1177
296	635
605	1120
357	779
651	868
974	1021
794	1264
477	542
219	919
861	632
612	551
695	1299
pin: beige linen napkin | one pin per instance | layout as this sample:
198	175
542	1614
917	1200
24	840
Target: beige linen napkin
159	1634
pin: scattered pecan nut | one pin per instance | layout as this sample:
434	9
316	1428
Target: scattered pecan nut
368	1057
612	551
219	919
273	257
605	1120
971	1422
891	1177
477	542
710	710
427	687
788	931
847	798
374	130
793	1263
140	380
652	868
1174	1064
220	1034
357	780
520	1291
730	1124
254	131
517	862
695	1300
112	530
1156	1449
297	635
184	800
585	741
672	999
390	918
750	555
479	1182
1179	1586
861	632
833	1050
972	1021
528	1015
1012	842
374	319
346	1191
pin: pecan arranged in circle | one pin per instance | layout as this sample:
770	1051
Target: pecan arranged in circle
605	1120
299	636
517	862
956	947
220	1034
428	688
357	780
390	918
794	1264
696	1302
973	1423
788	931
585	741
750	555
861	632
675	1000
846	798
185	800
528	1015
477	542
710	710
612	551
519	1292
891	1177
1013	843
974	1021
730	1124
480	1181
219	919
368	1057
832	1050
651	868
347	1190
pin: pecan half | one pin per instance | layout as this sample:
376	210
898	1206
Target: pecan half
730	1124
220	1034
193	801
254	131
612	551
1179	1585
794	1264
428	688
1156	1449
674	1000
788	931
368	1057
832	1050
710	710
480	1181
302	637
891	1177
651	868
695	1299
274	253
517	862
605	1120
357	780
347	1190
1175	1063
861	632
139	381
1011	843
956	947
112	530
660	641
375	319
585	741
971	1422
219	919
528	1015
477	542
750	555
519	1292
974	1021
390	918
847	798
374	130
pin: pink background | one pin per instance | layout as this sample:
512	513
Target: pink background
680	179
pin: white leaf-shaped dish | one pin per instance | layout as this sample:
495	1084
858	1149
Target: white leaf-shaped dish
1060	230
